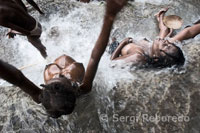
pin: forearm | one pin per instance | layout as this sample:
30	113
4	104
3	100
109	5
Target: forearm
117	52
100	46
15	77
187	33
164	30
164	33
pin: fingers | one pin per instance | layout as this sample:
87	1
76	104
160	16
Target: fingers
163	10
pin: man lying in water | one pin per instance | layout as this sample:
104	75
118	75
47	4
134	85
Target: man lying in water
62	78
162	53
14	16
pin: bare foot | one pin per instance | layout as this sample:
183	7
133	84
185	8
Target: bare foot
162	11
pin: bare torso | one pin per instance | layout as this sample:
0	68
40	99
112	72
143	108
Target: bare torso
66	66
140	47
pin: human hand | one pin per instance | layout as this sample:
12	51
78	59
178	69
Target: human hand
163	10
114	6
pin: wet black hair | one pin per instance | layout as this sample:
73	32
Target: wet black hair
58	99
177	59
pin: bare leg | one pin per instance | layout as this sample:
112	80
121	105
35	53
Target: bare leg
35	41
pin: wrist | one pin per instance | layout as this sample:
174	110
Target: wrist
110	17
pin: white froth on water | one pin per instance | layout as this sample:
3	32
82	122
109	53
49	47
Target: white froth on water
156	2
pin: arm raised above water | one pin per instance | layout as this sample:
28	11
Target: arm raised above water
112	8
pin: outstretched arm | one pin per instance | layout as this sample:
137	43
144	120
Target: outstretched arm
187	33
32	3
16	77
112	8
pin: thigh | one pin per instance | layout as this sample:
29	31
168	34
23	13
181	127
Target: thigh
12	13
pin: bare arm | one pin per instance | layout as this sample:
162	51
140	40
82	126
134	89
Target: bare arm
117	52
164	30
187	33
135	59
112	8
21	4
32	3
16	77
17	28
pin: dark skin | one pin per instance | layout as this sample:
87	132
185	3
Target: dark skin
16	18
65	65
130	51
31	2
16	77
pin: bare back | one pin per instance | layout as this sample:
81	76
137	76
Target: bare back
65	66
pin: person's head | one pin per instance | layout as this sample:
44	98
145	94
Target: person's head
59	97
166	54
